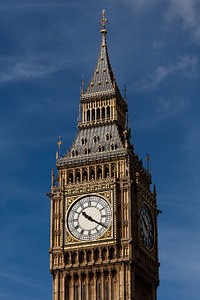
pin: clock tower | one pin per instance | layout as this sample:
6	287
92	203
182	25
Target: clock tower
104	242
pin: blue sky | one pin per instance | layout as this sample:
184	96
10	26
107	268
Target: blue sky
45	47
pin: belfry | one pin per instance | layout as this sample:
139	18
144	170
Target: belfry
104	241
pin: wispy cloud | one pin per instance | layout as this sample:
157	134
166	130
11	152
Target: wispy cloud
17	68
175	10
26	4
188	11
14	276
163	111
186	66
158	44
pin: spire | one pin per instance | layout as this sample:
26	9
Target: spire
103	22
102	81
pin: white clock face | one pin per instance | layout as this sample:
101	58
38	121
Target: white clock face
89	218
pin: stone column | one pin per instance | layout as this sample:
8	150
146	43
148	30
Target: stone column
62	286
94	294
102	285
71	288
56	286
87	282
79	286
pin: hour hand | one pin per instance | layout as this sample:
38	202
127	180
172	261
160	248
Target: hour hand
87	217
92	220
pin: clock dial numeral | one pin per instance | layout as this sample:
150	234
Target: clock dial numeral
89	218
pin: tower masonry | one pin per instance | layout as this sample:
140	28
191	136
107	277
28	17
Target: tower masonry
103	228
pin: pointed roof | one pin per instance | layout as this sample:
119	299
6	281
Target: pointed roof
103	80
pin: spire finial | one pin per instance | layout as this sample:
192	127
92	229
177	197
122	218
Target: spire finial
82	84
59	142
103	22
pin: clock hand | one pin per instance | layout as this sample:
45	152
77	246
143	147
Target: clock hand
92	220
88	217
145	224
100	224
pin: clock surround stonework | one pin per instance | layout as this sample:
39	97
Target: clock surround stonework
103	227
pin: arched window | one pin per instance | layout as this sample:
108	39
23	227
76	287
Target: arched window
73	153
89	255
106	171
88	115
108	112
104	254
108	136
93	114
103	112
111	253
83	141
85	175
78	176
99	172
66	258
112	147
98	113
70	177
96	254
81	256
92	174
86	151
95	138
74	257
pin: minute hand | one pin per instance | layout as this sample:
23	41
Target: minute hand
92	220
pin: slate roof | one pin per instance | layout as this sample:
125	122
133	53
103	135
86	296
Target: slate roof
102	140
97	139
103	80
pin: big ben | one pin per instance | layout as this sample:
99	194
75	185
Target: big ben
103	229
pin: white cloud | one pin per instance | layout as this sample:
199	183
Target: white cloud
17	68
158	44
186	66
164	110
14	276
164	104
188	11
29	5
184	9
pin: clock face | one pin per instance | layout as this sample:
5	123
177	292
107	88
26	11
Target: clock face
89	218
146	226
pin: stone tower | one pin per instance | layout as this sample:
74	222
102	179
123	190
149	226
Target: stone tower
104	243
